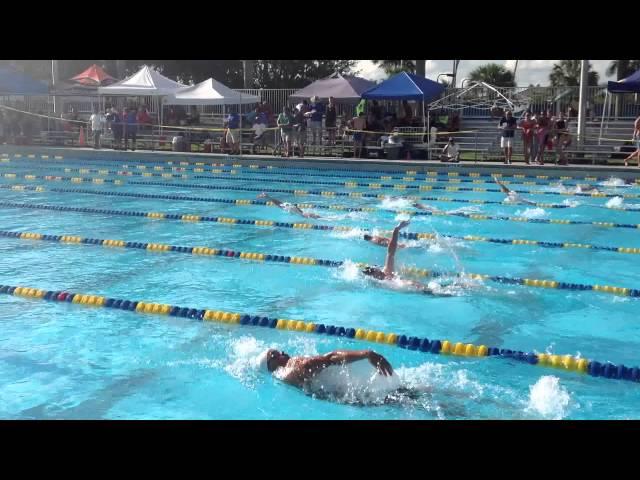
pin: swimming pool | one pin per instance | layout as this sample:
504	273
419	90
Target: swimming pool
61	360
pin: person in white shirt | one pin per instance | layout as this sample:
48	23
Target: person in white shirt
97	121
450	153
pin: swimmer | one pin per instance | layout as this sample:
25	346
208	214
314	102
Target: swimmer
298	371
386	274
382	241
586	188
512	197
428	208
289	207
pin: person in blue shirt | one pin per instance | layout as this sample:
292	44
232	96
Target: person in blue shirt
130	128
233	136
315	119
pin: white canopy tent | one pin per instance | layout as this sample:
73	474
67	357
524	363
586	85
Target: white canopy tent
209	92
145	82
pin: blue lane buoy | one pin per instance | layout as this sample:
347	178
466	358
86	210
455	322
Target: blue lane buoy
255	320
436	346
594	369
425	345
351	332
402	341
320	328
264	322
174	311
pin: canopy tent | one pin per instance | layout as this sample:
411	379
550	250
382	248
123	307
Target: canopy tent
93	76
344	89
209	92
484	97
146	81
631	84
13	82
405	86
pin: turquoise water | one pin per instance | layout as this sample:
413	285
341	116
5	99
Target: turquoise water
60	360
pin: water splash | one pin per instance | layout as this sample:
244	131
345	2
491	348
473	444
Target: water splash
533	213
615	202
548	398
243	363
348	271
348	234
571	203
613	182
395	203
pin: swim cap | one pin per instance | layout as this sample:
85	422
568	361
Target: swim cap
262	361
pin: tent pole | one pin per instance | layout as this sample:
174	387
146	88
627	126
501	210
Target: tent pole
604	108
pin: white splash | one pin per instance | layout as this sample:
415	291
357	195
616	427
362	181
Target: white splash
244	359
401	217
532	213
613	182
395	203
348	271
469	209
548	398
615	202
348	234
571	203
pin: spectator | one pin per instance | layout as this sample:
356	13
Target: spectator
300	130
315	114
527	126
405	114
358	126
508	126
560	134
96	121
130	128
259	126
172	117
636	139
496	111
194	116
285	123
540	136
266	109
117	128
233	136
144	119
450	152
330	121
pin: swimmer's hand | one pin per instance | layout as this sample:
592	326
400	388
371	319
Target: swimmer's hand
403	224
262	195
381	363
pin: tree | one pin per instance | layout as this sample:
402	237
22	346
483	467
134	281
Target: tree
622	68
297	73
493	74
567	74
391	67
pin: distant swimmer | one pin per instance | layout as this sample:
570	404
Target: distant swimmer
300	371
512	197
428	208
387	273
382	241
586	189
289	207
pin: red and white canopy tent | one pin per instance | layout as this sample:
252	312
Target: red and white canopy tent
94	76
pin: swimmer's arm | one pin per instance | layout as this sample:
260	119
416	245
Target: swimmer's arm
340	357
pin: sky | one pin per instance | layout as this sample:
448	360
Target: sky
529	71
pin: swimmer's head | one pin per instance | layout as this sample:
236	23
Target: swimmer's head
374	272
272	359
367	237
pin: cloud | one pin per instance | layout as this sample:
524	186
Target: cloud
529	71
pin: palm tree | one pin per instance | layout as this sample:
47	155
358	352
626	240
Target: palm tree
622	68
493	74
395	66
567	74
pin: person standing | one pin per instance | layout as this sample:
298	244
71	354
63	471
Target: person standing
285	123
508	125
315	120
330	121
233	136
540	136
358	126
560	130
636	139
300	130
527	126
97	121
130	128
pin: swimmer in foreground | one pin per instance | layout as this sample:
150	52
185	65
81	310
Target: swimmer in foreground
382	241
512	197
386	274
289	207
300	370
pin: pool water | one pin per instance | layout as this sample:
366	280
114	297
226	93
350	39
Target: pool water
60	360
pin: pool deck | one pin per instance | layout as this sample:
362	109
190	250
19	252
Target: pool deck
419	166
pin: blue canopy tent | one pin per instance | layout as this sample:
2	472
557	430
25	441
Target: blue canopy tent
406	86
13	82
631	84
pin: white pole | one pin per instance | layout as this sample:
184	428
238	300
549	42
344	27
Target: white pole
604	107
583	99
